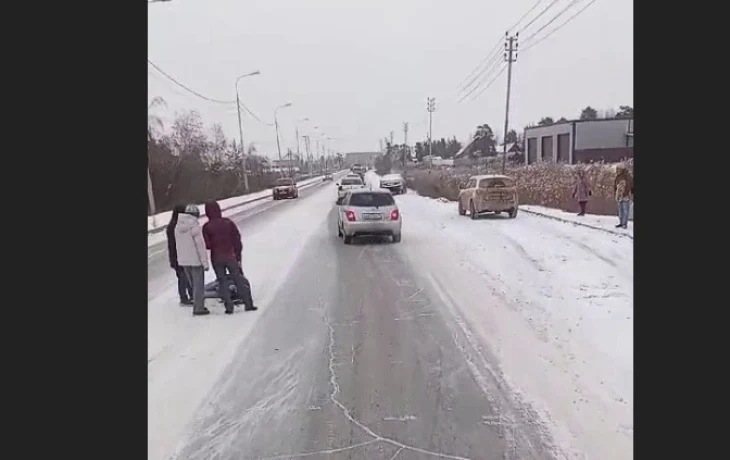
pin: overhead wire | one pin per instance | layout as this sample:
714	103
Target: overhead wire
478	86
550	5
246	109
525	15
488	68
172	79
495	50
559	27
488	84
490	55
570	5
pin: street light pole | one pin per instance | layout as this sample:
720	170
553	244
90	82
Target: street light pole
276	125
296	128
240	132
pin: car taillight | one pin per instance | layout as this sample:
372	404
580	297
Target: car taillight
394	214
350	215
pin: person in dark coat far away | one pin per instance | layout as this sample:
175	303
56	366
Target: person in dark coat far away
183	285
224	241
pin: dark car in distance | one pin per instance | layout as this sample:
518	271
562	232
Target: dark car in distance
285	187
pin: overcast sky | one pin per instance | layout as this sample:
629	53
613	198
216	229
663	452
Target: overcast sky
359	69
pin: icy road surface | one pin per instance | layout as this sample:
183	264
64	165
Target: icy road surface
463	341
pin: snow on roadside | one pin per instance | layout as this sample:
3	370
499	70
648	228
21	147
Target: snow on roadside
162	218
155	238
553	302
607	223
186	354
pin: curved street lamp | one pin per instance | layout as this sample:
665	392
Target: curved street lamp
240	131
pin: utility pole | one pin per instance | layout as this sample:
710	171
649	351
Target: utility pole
430	108
404	159
297	132
290	161
391	139
240	131
309	153
510	55
240	144
151	197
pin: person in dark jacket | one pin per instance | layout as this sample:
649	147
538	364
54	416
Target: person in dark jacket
183	285
223	240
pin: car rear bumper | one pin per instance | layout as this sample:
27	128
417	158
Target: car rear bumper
391	186
362	228
284	193
495	206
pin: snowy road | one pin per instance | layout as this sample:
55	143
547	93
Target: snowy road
463	341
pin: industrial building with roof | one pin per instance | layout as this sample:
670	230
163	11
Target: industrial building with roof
581	141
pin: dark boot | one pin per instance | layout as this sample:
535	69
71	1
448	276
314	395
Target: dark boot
619	225
202	312
251	308
186	303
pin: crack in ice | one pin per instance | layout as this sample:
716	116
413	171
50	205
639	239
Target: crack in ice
336	391
321	452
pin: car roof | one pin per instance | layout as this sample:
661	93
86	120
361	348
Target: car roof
491	176
367	190
392	175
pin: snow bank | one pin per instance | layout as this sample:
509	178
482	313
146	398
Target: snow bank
553	302
607	223
186	354
161	219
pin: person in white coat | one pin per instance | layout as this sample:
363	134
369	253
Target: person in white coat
192	256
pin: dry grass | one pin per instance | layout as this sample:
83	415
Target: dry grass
544	184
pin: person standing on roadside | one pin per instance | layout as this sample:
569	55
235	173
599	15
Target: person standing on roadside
224	241
582	191
184	289
623	188
191	255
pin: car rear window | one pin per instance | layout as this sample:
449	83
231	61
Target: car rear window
489	183
352	181
371	199
284	182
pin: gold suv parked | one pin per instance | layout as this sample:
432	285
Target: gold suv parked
488	193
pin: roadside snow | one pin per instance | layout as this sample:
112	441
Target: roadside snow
552	301
596	221
161	219
186	354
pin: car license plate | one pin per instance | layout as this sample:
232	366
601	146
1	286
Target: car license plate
372	216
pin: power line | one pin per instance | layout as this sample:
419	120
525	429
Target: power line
481	82
488	68
560	26
552	20
172	79
539	15
243	106
504	67
490	55
524	15
495	50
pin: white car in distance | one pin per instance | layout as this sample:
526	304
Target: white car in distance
349	183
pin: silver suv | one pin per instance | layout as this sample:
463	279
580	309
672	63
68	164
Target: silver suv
393	182
363	212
